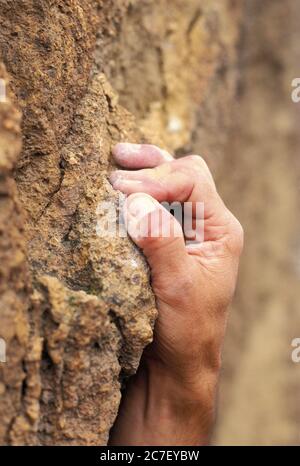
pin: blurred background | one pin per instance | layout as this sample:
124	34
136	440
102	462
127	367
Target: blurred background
261	385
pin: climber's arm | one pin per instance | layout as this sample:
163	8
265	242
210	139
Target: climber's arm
171	400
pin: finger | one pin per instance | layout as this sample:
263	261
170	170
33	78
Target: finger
157	233
184	180
140	155
189	181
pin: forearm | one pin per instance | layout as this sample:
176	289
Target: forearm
157	410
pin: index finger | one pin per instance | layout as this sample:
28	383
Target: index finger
135	156
184	180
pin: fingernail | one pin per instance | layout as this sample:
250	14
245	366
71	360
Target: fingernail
123	149
140	206
123	184
114	177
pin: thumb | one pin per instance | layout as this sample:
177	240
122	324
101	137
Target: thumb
157	233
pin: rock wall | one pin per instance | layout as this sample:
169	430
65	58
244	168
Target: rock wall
77	309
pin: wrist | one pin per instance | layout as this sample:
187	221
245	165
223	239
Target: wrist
184	408
161	408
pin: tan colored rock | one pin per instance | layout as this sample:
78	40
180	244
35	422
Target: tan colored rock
76	309
14	277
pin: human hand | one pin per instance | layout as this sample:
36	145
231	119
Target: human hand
193	285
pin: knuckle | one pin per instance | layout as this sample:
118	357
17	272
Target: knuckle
201	167
200	171
197	161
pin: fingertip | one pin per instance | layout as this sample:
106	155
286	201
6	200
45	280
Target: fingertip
125	153
146	219
114	176
138	205
129	155
136	209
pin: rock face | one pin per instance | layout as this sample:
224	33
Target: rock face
14	278
78	312
76	308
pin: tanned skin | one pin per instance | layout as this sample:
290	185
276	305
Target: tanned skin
172	398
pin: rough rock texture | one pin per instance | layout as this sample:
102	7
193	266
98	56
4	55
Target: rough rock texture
14	280
91	310
76	309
